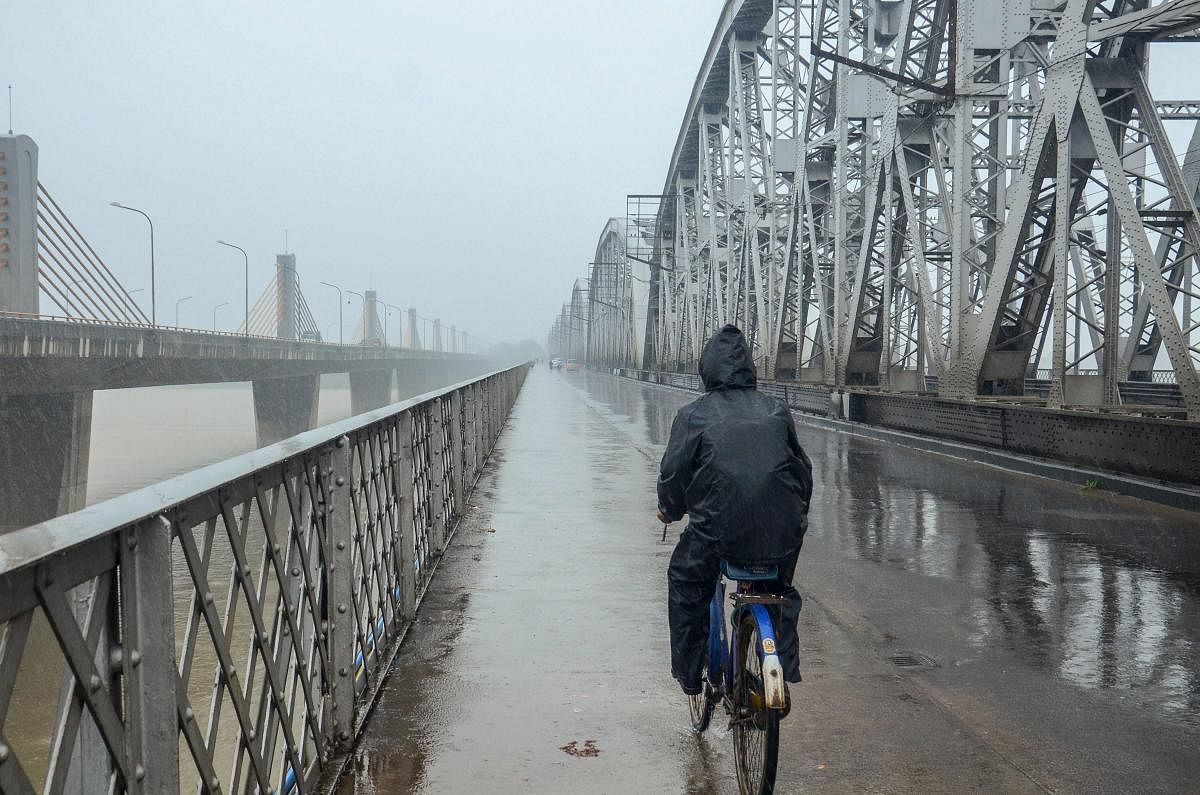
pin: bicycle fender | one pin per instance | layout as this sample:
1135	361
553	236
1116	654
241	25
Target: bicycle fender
772	669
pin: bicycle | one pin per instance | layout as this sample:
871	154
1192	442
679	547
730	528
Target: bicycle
745	675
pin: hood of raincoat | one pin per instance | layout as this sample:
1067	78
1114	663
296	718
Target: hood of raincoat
726	362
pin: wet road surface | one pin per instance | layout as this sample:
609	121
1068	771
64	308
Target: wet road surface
1057	630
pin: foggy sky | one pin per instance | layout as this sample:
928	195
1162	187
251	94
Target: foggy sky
459	157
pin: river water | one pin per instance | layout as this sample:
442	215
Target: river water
142	436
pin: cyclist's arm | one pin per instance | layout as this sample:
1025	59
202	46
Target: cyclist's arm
675	472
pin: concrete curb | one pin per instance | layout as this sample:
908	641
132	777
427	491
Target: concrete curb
1169	494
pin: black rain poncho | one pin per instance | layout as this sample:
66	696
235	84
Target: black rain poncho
733	463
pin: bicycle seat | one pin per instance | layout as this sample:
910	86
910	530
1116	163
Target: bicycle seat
749	573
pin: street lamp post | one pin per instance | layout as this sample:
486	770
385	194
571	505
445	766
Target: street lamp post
215	308
177	303
341	300
153	303
246	260
386	307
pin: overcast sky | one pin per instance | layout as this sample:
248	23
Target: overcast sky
460	157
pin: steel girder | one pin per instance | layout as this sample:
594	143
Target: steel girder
889	200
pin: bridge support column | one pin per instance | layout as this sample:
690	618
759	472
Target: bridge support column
45	442
370	389
284	407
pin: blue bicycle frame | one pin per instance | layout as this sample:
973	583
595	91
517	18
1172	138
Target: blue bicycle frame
723	665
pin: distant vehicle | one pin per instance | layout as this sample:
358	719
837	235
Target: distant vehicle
572	364
556	363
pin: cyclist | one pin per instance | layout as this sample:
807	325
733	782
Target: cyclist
735	467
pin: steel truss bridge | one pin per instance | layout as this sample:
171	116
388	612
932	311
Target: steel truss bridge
972	197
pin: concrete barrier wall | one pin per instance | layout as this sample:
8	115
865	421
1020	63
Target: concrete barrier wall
1164	449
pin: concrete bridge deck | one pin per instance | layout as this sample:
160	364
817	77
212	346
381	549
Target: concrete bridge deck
1059	629
46	356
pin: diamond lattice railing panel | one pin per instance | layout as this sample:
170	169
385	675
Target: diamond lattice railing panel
376	547
61	710
203	648
422	513
251	659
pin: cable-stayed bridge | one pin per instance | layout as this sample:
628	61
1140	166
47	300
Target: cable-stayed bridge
69	327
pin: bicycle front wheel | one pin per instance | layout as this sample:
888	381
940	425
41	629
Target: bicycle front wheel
755	726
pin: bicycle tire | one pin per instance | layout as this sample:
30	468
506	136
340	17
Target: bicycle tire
755	727
701	706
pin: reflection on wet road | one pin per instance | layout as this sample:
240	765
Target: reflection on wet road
1058	628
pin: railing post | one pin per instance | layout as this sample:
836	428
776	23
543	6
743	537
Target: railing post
339	616
494	385
480	421
408	535
437	478
473	434
457	475
147	656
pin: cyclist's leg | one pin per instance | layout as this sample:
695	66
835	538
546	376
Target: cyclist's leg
691	577
787	629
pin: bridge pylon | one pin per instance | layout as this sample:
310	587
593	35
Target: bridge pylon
287	296
370	330
18	224
412	337
281	310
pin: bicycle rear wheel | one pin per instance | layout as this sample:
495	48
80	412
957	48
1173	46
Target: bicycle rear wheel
701	705
755	726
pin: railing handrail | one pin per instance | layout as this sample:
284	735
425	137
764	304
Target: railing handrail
126	324
29	545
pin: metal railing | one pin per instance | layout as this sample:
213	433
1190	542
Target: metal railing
1156	376
226	630
91	321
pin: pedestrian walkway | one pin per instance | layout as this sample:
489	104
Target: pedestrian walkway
539	660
